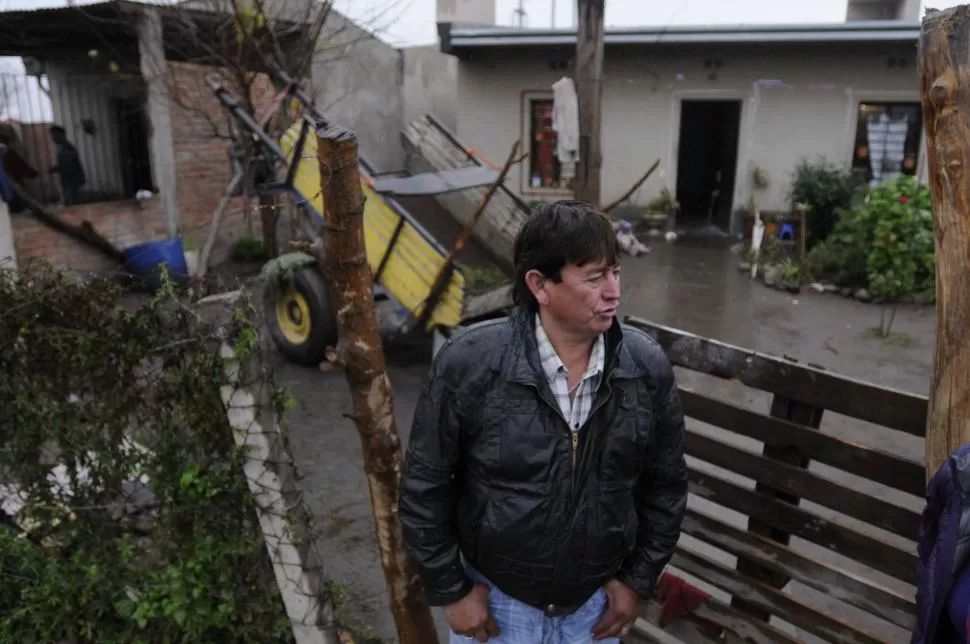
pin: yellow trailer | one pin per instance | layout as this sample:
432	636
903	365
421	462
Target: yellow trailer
406	250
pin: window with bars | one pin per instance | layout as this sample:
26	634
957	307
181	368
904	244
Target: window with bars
545	171
887	140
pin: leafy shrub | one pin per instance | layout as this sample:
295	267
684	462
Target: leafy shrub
249	249
478	278
126	513
884	244
827	188
902	257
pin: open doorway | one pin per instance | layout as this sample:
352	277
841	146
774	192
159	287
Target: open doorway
707	162
136	160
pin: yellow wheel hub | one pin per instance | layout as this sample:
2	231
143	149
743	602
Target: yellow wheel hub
293	316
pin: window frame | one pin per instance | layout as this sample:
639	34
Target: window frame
525	132
858	96
855	124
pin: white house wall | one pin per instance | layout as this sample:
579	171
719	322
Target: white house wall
811	114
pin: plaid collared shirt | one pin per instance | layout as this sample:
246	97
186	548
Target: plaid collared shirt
575	411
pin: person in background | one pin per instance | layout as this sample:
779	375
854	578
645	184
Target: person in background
943	576
545	484
68	166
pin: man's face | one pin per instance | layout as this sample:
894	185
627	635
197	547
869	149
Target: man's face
586	299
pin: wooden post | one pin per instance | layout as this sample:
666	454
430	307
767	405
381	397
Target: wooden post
360	354
803	414
944	81
267	220
589	94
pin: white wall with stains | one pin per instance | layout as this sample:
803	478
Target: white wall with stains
798	102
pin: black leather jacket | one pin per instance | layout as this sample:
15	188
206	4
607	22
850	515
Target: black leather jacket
488	472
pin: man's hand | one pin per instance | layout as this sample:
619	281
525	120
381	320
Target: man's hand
622	609
469	616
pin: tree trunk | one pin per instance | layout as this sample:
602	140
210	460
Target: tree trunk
360	354
944	80
589	92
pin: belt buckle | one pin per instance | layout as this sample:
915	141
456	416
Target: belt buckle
553	610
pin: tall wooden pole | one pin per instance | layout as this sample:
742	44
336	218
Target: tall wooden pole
944	81
589	94
361	355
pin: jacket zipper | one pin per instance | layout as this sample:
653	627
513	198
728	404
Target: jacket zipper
575	434
558	410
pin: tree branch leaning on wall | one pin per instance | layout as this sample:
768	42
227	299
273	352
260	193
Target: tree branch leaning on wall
85	233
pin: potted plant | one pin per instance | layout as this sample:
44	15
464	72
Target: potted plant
661	210
790	277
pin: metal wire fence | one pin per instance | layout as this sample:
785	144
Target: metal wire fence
147	490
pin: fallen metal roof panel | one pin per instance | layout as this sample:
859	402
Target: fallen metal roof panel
436	183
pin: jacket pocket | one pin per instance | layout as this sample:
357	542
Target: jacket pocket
626	446
612	528
514	523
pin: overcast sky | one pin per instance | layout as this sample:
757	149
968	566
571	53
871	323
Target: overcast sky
418	27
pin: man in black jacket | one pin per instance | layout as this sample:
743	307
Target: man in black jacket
544	483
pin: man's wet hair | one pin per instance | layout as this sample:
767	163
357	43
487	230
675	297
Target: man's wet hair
556	235
57	130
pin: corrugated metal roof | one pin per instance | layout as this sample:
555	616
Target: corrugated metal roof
85	5
459	37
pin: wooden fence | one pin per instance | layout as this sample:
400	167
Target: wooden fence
773	482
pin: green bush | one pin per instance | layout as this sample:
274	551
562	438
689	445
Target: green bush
827	188
135	521
902	258
884	244
249	249
479	278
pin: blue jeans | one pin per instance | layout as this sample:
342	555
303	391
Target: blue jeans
520	623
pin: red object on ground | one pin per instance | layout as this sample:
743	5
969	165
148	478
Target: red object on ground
679	599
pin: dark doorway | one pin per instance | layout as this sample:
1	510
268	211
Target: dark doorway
707	162
136	162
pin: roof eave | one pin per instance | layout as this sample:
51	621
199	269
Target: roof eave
454	38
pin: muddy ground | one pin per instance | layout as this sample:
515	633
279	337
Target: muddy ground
692	288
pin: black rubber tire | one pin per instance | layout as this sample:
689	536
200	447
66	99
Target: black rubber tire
309	283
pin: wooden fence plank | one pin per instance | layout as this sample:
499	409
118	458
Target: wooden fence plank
803	414
807	485
735	625
819	576
770	599
893	471
809	526
891	408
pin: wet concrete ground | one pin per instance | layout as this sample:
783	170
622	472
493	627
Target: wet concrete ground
695	289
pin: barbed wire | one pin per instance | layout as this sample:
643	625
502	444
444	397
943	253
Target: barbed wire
143	464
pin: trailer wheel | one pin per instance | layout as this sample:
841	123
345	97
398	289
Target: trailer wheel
301	317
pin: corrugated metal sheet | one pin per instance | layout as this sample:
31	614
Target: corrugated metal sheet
436	183
504	214
59	6
845	32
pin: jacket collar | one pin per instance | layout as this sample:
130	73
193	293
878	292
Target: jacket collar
520	361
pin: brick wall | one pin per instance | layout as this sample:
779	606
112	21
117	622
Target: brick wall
202	159
202	172
124	223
